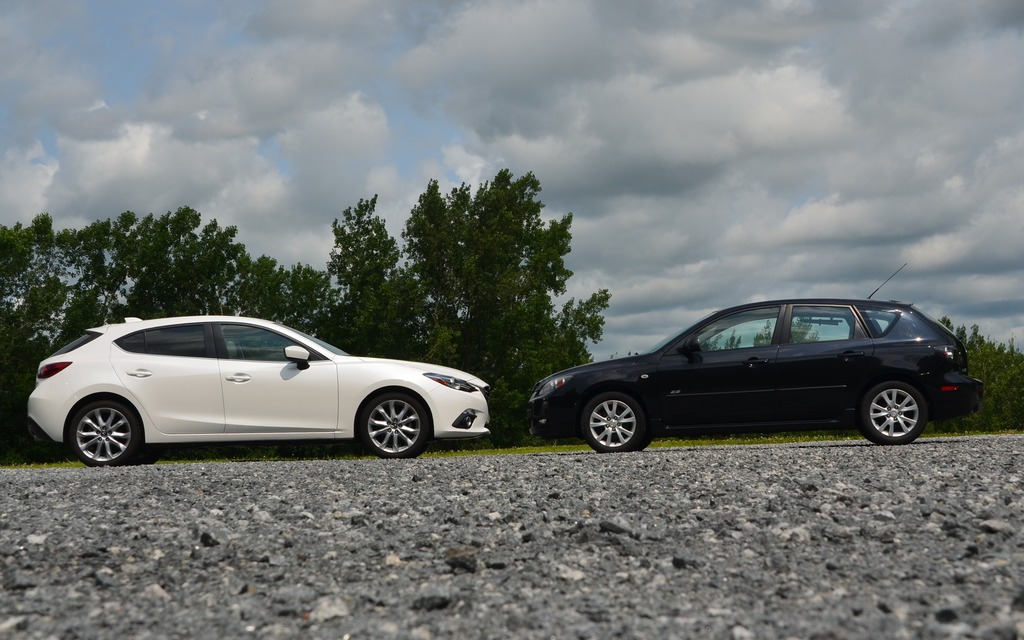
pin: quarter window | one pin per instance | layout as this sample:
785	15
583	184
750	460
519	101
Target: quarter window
880	321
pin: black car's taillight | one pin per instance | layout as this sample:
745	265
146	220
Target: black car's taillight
51	369
956	356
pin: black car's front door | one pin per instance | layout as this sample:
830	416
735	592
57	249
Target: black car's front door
726	376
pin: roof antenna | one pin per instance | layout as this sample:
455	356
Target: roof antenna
887	280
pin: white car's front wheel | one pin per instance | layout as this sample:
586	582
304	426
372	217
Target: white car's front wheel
394	425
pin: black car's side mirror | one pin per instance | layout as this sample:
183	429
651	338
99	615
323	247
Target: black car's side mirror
298	355
691	349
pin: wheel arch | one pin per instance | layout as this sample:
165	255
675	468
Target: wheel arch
892	377
103	395
376	393
610	387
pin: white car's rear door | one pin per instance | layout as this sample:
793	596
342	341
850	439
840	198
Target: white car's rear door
176	384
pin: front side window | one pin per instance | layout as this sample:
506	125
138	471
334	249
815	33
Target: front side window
750	328
254	343
821	323
185	341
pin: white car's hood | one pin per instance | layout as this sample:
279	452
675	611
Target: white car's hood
429	368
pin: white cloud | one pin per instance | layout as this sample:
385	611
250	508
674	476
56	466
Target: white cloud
711	152
25	176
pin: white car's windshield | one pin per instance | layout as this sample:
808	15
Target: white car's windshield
326	345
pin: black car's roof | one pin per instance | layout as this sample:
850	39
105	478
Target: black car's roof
823	301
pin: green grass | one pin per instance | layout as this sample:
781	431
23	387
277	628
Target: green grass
447	450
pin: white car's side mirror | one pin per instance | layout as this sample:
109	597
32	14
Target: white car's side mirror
298	355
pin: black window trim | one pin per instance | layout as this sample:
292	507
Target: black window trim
208	343
222	347
860	331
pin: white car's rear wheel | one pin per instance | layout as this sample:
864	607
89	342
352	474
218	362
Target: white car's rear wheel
105	433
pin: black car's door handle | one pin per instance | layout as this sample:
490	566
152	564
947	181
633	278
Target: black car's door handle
753	362
846	355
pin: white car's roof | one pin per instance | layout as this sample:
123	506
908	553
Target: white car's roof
136	324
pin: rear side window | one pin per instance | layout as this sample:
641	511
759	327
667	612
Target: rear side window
82	340
880	320
821	324
186	341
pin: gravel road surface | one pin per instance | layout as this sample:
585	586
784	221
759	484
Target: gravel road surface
825	541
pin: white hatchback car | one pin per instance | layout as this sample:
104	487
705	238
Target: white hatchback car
123	391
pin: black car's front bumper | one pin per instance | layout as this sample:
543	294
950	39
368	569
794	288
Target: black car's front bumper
551	417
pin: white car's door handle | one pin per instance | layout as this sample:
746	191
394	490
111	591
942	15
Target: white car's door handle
140	373
239	377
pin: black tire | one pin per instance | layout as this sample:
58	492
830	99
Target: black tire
892	413
613	422
394	425
105	433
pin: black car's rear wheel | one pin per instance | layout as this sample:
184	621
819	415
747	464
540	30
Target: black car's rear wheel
394	425
614	422
893	413
105	433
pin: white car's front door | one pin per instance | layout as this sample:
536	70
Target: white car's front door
265	394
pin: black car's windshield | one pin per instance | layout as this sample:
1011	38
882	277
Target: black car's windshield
664	342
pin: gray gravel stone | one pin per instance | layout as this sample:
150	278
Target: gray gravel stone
832	540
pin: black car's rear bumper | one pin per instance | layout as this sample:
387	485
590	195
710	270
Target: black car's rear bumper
958	396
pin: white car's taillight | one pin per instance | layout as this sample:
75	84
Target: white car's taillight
52	369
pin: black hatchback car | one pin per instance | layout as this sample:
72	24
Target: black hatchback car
786	365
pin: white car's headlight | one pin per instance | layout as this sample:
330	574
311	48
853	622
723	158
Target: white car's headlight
551	385
451	382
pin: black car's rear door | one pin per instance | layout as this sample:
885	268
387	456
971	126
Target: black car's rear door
826	356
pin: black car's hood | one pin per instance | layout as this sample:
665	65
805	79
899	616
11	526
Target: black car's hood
593	367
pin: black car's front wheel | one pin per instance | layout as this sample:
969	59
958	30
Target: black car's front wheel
614	422
893	413
394	425
105	433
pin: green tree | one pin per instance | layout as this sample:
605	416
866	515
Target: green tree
173	269
488	269
34	291
1001	368
301	297
374	310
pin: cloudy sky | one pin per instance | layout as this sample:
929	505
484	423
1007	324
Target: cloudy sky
712	152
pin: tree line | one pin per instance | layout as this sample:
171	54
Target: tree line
474	284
